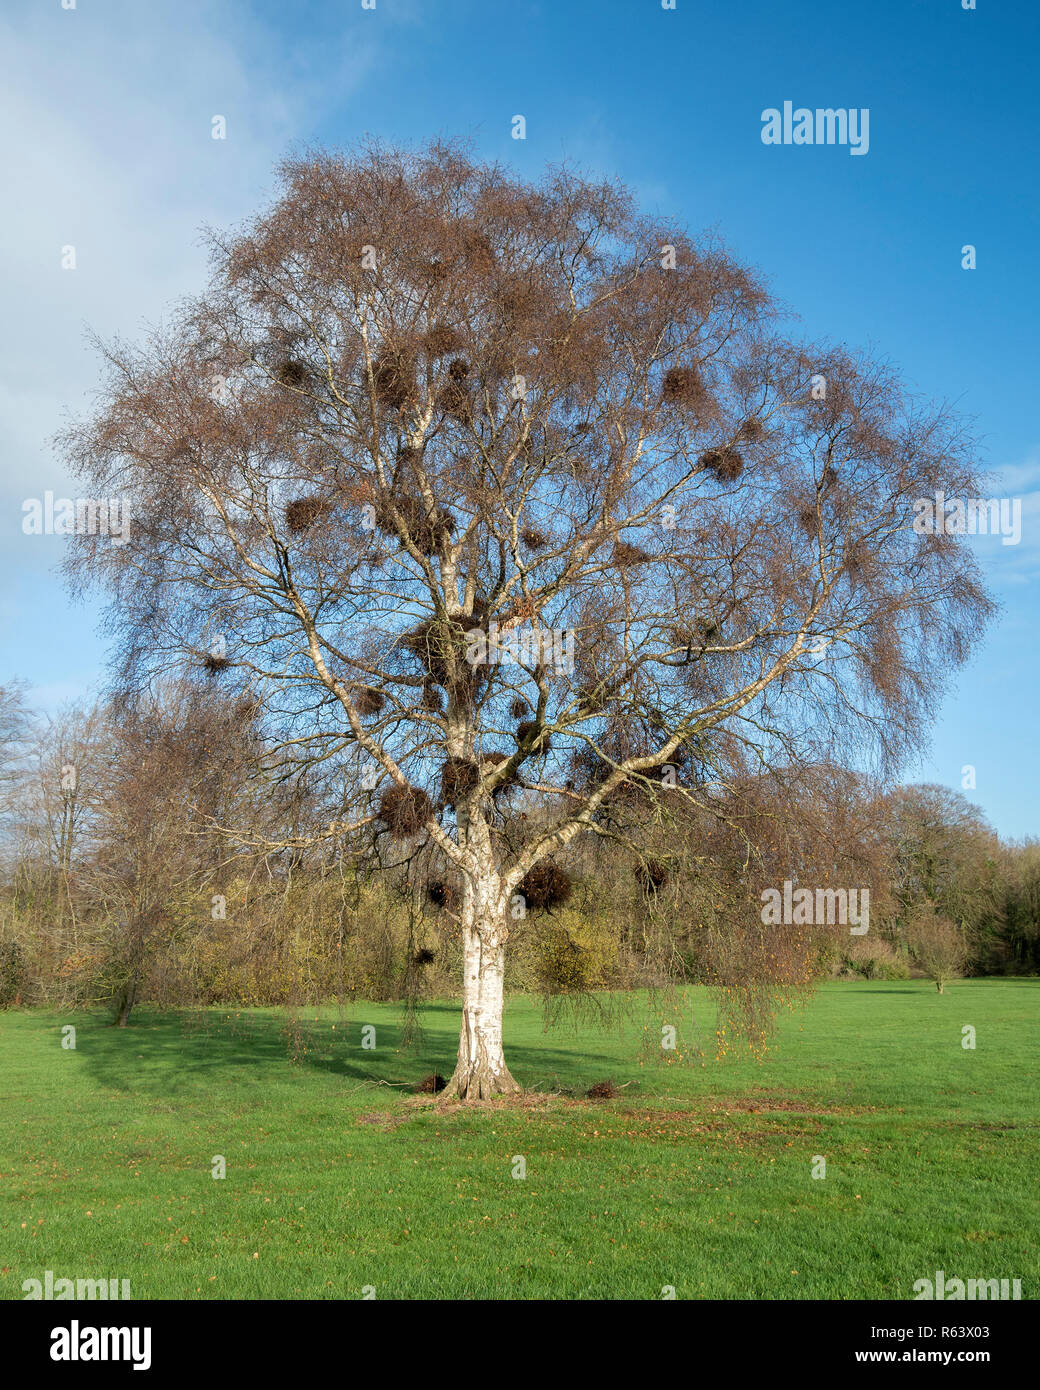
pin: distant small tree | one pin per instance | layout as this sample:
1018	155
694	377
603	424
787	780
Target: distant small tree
14	730
937	944
1019	930
944	852
66	763
173	757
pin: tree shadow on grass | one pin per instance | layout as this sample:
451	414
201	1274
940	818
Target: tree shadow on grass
168	1053
905	990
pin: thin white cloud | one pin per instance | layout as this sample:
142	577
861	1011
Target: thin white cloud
107	112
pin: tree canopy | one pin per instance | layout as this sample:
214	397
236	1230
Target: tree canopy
485	489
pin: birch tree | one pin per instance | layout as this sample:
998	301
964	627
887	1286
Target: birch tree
489	490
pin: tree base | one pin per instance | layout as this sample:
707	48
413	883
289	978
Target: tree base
480	1083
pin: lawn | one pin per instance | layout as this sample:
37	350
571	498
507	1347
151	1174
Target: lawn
697	1176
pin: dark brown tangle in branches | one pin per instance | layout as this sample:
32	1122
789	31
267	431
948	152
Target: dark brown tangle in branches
479	253
858	559
454	396
368	701
441	340
527	733
181	451
245	711
696	634
393	378
293	374
545	886
439	646
587	769
442	895
651	875
808	519
626	554
431	698
302	512
522	300
726	464
455	400
404	811
752	429
428	531
683	387
459	777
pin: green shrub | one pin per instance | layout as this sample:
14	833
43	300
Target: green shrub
872	959
12	973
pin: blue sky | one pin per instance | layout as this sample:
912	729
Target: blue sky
107	112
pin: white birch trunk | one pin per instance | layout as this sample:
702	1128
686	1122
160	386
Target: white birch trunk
481	1070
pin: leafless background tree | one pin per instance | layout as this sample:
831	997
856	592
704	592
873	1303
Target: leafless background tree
937	944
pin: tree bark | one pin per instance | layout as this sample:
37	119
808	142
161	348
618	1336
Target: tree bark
481	1071
126	1003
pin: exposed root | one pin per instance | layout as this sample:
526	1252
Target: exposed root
479	1083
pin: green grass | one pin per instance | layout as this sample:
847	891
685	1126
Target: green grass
698	1176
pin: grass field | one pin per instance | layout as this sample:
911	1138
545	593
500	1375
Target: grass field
698	1176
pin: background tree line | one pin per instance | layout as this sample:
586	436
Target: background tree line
120	883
